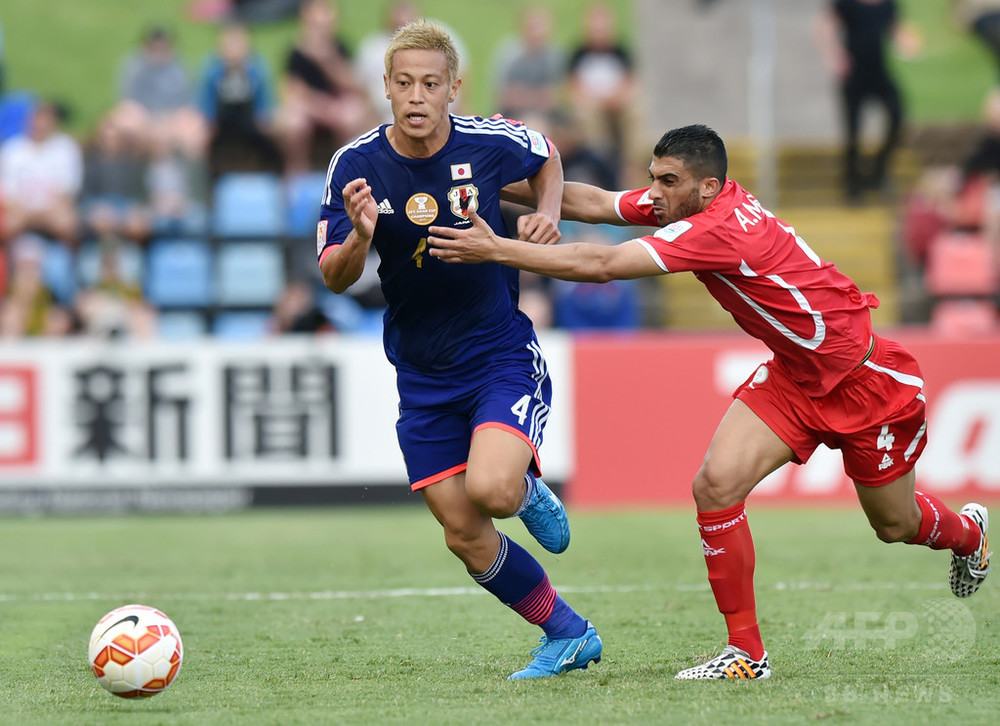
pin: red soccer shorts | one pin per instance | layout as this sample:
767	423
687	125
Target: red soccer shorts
876	416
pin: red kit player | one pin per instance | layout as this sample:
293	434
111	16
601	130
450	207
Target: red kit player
832	380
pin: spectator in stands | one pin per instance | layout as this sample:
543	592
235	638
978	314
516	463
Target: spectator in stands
296	311
962	196
982	18
615	305
322	96
370	61
854	37
602	89
530	69
581	162
40	177
156	99
29	309
177	191
236	97
114	306
113	199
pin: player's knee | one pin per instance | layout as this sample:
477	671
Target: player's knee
493	494
895	530
716	488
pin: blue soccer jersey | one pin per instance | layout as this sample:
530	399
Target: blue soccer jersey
441	318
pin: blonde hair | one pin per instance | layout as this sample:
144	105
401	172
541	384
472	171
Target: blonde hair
423	35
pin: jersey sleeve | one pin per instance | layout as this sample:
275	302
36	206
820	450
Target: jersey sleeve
334	225
635	207
686	246
528	150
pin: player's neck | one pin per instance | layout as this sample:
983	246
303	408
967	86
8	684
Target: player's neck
419	148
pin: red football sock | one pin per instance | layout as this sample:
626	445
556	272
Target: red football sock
944	529
729	554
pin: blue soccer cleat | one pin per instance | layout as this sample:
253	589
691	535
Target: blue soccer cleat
545	519
553	657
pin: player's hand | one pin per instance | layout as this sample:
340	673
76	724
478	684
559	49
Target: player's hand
360	207
473	244
539	228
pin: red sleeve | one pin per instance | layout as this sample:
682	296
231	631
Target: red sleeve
634	207
693	245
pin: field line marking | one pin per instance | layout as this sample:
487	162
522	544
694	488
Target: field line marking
454	592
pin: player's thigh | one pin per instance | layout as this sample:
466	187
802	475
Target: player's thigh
508	418
743	450
434	442
498	459
453	509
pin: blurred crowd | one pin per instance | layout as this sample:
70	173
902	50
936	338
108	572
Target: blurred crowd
190	207
93	228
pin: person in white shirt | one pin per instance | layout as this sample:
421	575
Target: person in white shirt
41	173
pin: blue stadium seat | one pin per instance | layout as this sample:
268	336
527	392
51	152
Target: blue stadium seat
305	195
58	271
15	113
179	273
242	325
176	325
248	205
347	315
250	273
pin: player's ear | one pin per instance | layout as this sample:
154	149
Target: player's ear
453	93
710	186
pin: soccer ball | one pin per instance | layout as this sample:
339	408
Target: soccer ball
135	650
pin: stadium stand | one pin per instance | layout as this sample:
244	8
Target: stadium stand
241	325
248	204
179	325
15	111
961	264
179	274
304	193
959	318
249	274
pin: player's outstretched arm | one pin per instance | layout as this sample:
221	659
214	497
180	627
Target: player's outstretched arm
343	266
579	262
580	202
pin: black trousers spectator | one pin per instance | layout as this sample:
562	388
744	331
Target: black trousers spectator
857	90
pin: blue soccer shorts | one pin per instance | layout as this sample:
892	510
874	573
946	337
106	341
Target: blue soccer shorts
439	414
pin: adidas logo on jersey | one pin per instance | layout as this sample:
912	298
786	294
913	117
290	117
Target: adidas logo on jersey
384	207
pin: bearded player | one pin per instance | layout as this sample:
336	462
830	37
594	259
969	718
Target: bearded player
832	380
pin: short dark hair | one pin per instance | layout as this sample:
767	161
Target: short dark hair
699	147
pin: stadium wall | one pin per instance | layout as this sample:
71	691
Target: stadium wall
647	406
105	426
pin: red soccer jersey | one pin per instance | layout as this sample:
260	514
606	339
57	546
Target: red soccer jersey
805	310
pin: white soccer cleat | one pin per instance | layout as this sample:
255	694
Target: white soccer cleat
731	663
966	574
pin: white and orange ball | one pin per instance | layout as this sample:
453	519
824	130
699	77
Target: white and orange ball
135	651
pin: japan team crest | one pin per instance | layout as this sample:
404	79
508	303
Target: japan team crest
463	198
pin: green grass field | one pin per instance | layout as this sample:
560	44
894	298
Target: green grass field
360	616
